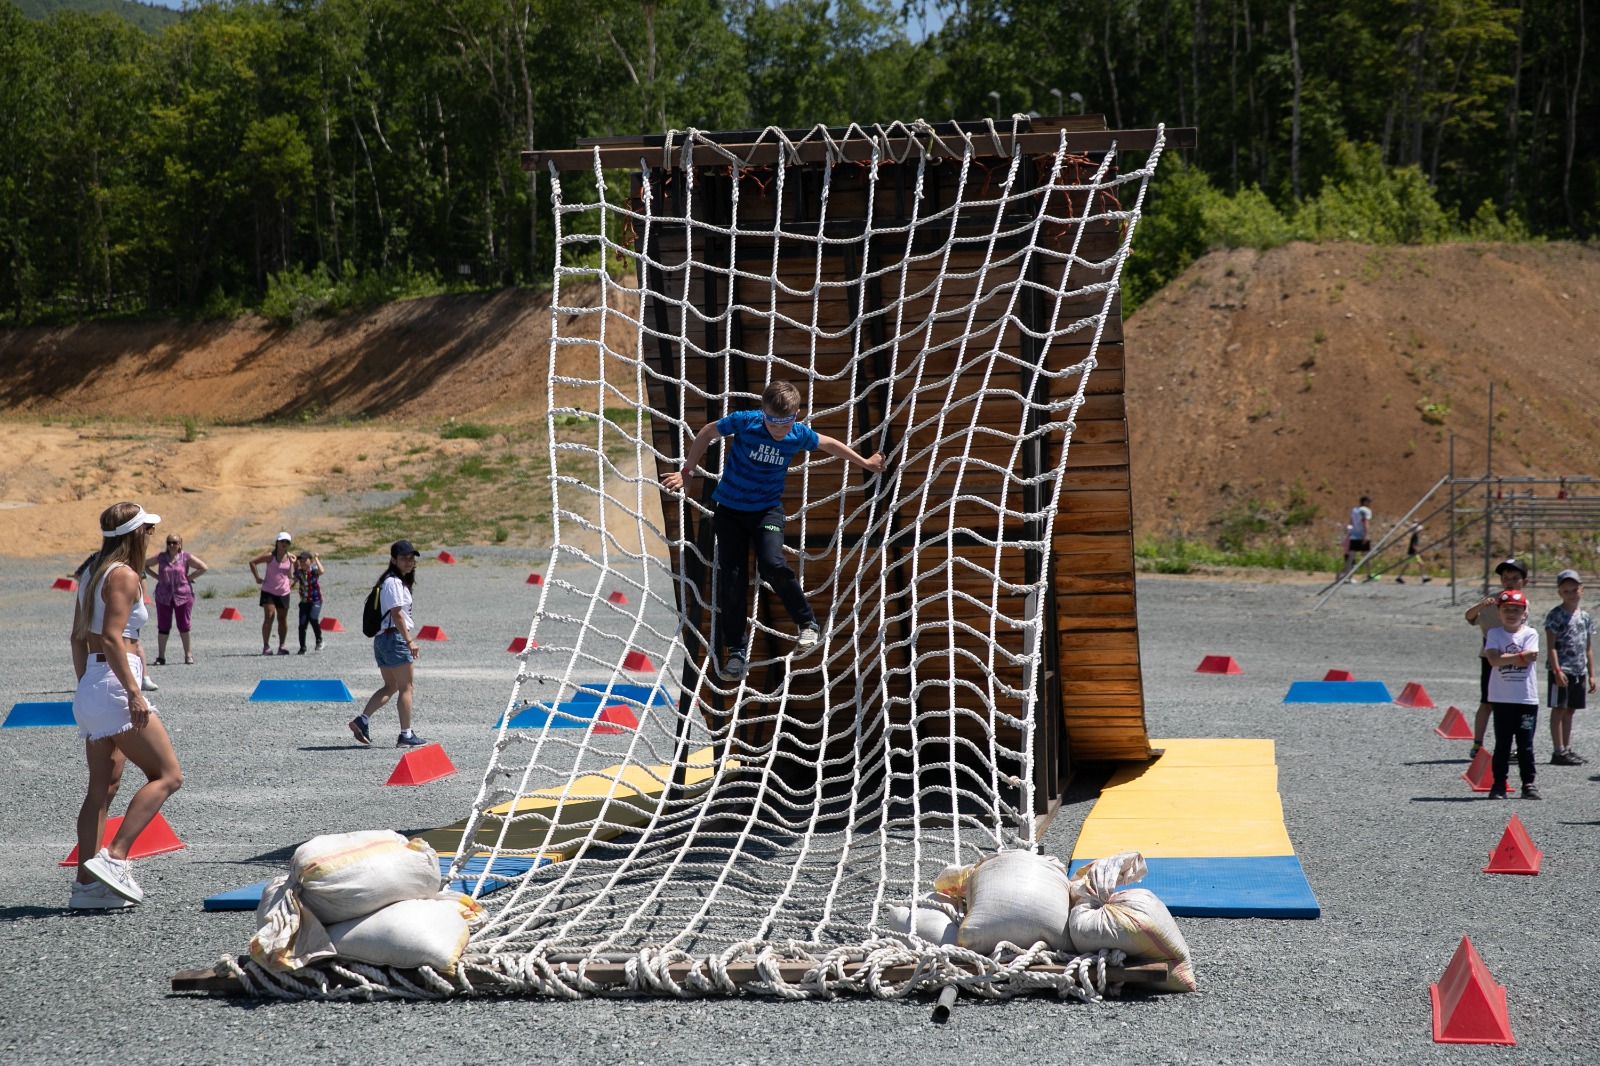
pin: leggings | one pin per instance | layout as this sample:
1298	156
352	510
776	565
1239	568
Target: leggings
310	614
736	531
1517	720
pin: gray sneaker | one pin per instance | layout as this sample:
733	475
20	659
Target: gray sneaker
808	640
95	897
735	667
115	874
147	685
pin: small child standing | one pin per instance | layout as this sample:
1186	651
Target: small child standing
1486	616
1511	649
307	580
749	510
1569	629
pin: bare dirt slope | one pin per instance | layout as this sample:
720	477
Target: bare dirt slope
1338	368
1345	368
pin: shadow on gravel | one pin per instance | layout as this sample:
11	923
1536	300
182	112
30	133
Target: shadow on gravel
280	855
1439	762
1445	799
22	914
334	747
1578	823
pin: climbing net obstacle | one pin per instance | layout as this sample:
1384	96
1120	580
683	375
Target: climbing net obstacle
947	296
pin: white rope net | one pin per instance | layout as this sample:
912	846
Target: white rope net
941	302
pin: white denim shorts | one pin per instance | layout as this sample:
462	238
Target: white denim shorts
100	705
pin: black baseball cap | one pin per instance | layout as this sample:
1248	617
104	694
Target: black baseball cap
402	547
1511	564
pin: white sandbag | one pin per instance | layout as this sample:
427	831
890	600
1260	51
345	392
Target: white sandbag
1012	896
1106	915
935	919
289	936
411	933
342	876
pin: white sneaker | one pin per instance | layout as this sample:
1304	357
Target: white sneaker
735	668
808	640
115	874
95	897
147	685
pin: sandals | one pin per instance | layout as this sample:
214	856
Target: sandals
188	660
160	660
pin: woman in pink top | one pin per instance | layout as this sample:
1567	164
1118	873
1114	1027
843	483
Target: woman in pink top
174	571
275	585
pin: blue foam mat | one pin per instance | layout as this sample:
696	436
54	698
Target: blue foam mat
39	714
273	690
249	896
1338	692
585	704
1272	886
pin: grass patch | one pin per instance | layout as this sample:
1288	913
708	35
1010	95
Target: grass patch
1159	555
454	430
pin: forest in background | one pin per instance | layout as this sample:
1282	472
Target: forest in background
299	155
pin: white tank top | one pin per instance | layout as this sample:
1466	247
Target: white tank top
138	615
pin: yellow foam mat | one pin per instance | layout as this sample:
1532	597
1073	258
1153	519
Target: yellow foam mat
634	794
1163	804
1232	752
1200	799
1196	778
1182	838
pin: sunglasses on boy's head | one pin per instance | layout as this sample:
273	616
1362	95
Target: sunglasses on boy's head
774	420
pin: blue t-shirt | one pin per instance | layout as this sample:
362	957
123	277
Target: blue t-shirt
756	462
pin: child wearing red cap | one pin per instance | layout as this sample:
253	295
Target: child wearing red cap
1511	649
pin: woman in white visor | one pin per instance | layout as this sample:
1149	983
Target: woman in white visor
114	720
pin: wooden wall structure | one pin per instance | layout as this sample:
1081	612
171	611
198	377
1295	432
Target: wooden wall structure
940	612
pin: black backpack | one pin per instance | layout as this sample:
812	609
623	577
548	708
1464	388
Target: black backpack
372	611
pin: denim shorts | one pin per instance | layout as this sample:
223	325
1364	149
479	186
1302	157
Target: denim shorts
390	650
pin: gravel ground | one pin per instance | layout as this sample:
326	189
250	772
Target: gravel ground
1392	842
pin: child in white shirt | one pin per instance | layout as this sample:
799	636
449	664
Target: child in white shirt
1511	650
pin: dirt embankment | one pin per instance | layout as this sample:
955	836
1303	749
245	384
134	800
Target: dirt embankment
1340	369
1345	368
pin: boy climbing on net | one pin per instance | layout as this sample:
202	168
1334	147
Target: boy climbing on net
749	510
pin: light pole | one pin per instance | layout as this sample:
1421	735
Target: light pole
1057	94
1078	97
996	98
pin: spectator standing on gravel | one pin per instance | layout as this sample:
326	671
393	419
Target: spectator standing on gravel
275	585
308	582
1569	631
1485	615
1414	555
174	571
113	719
394	647
1511	649
1359	543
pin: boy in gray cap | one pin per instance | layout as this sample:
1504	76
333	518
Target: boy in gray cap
1569	633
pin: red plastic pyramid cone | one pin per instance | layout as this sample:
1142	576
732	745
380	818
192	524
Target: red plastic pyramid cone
521	644
230	614
1218	664
1338	675
65	584
157	839
618	597
331	625
616	720
431	633
1480	775
1453	726
535	579
446	557
1515	853
638	662
1468	1007
421	765
1414	695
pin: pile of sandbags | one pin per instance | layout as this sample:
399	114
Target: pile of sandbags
372	897
1022	899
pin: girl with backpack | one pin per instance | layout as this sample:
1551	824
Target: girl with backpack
393	645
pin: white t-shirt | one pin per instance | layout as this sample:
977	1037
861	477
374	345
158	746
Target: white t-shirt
1359	517
395	594
1513	683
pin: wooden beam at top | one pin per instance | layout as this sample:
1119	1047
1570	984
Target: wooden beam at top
627	156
